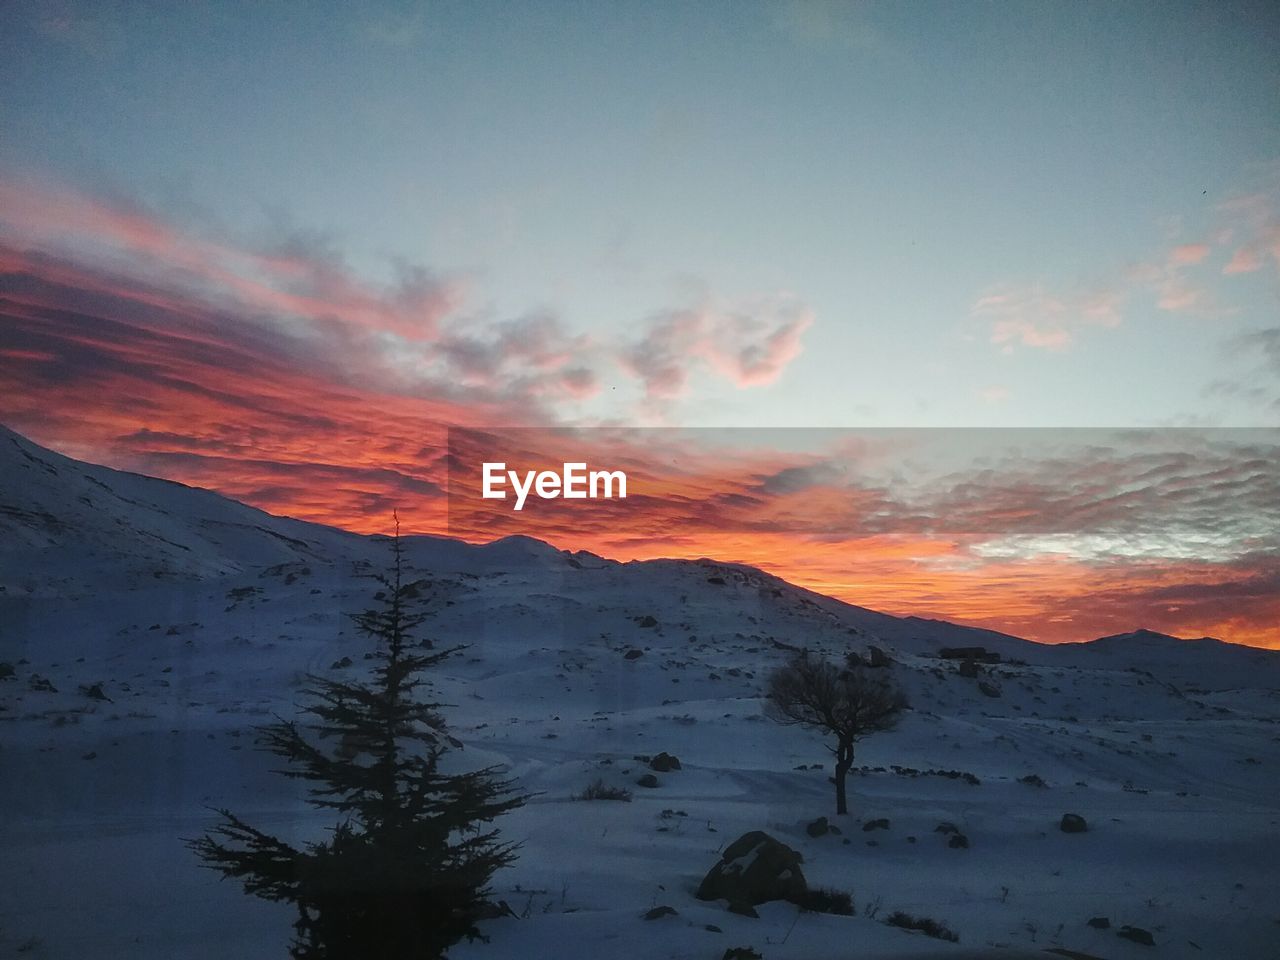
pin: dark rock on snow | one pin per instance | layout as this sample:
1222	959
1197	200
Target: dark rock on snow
665	762
662	911
1073	823
754	869
1137	935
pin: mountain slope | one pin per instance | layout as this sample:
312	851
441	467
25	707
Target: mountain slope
128	704
67	527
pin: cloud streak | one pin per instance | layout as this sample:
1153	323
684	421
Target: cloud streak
126	341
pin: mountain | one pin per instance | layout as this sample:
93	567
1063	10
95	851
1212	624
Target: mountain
67	527
1202	664
146	629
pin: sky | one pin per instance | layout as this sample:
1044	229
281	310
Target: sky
280	249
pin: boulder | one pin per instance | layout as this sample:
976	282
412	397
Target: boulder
1073	823
665	763
94	691
755	868
880	824
648	780
1100	923
818	828
658	912
968	668
633	654
877	658
1137	935
989	688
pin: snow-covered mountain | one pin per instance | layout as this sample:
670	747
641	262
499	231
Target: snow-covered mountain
67	527
147	627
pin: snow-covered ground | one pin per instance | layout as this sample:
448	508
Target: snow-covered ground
197	618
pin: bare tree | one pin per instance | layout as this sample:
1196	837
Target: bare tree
847	702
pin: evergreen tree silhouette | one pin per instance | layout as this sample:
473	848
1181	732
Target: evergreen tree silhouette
405	873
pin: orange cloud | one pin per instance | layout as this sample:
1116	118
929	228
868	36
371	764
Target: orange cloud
143	371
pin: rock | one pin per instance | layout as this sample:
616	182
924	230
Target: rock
1033	780
754	869
969	653
741	953
1137	935
41	684
6	670
946	826
1073	823
340	664
633	654
712	928
659	912
665	762
880	824
744	910
958	841
968	668
1100	923
648	780
989	688
878	659
818	828
648	622
94	692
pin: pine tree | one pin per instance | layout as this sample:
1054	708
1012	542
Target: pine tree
405	873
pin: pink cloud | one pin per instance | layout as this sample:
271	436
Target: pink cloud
1255	220
1244	260
1028	317
299	285
750	346
1189	253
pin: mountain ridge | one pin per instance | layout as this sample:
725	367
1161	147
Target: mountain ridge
172	538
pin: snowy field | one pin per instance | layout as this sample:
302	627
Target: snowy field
150	627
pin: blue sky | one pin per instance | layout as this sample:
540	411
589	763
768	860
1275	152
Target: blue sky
974	208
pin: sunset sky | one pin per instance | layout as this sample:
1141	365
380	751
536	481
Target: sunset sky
279	250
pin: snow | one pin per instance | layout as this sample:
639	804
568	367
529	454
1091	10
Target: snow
200	617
